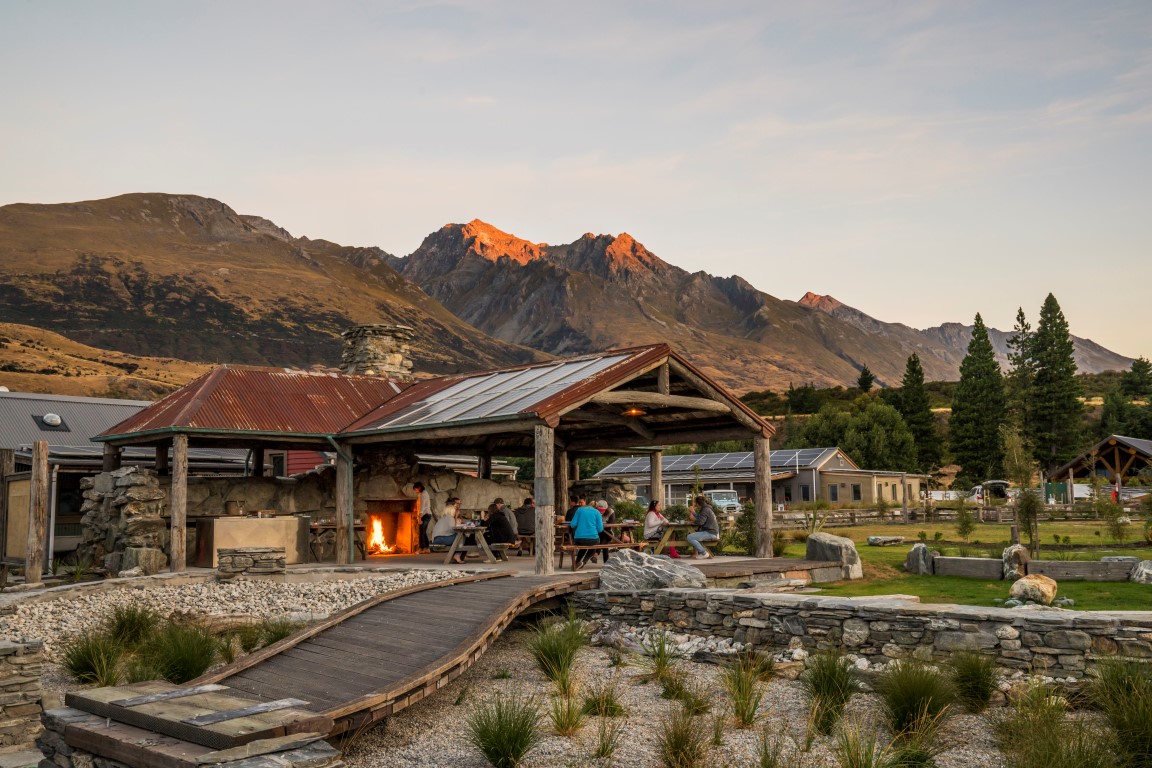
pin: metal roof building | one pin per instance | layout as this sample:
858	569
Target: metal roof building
1116	457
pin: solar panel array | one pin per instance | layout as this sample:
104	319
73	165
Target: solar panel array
503	393
715	462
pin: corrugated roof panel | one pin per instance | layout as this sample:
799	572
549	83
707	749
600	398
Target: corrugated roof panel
783	459
83	417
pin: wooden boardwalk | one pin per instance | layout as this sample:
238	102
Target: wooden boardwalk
378	657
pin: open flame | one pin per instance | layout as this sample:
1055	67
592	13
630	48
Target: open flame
376	543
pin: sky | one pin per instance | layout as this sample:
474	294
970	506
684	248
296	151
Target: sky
921	161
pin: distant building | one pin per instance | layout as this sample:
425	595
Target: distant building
1116	459
807	474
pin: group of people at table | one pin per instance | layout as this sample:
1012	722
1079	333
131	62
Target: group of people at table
588	525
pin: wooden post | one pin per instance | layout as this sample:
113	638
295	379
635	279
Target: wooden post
258	462
345	508
662	380
573	476
656	477
178	505
111	457
484	465
545	500
7	467
904	494
162	460
562	485
37	514
763	469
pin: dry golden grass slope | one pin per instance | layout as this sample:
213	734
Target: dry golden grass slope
35	360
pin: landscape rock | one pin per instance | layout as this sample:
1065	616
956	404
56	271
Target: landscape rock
630	570
919	560
885	541
1015	560
825	547
1142	573
148	560
1119	559
1034	587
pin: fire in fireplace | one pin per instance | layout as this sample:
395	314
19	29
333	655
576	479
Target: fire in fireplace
392	528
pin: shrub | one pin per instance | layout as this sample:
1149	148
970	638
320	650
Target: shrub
604	701
132	624
741	680
629	510
504	730
914	697
180	653
566	717
1122	692
828	683
922	536
94	657
680	742
676	513
973	678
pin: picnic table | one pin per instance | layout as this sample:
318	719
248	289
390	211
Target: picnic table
315	530
479	547
565	543
676	535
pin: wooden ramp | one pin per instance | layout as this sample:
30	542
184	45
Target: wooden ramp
378	657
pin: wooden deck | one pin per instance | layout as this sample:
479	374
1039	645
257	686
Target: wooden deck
378	657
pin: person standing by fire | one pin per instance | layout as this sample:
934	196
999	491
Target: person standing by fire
423	514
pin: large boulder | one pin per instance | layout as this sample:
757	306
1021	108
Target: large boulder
1035	587
825	547
919	560
147	559
885	541
1015	560
1142	573
629	570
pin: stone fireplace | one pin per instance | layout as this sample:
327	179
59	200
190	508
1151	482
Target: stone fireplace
391	527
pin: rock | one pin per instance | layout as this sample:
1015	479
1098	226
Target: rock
131	572
1012	603
1142	573
825	547
1064	602
1119	559
885	541
1034	587
146	559
919	560
1015	560
629	570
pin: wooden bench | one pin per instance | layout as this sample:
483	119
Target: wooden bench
573	548
530	540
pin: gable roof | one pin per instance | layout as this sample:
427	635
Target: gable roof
262	401
1140	446
81	418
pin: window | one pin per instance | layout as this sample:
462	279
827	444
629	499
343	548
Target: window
880	492
278	465
856	495
805	493
833	493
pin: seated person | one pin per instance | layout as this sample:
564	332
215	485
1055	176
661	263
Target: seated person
573	505
587	524
443	534
608	515
654	522
706	528
526	523
500	530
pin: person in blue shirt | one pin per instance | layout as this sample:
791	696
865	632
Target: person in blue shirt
587	524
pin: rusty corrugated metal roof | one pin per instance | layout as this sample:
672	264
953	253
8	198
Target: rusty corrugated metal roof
266	400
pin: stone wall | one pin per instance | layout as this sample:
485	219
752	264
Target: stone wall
20	693
123	524
377	350
1059	643
233	560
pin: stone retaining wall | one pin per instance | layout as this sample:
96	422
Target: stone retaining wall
20	693
1060	643
231	560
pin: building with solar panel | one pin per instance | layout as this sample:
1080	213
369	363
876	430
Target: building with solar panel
803	475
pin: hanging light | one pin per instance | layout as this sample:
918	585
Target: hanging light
633	410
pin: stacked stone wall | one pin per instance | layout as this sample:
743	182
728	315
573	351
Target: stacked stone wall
20	693
1058	643
233	560
123	525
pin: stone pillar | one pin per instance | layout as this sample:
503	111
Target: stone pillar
377	350
763	469
178	505
545	501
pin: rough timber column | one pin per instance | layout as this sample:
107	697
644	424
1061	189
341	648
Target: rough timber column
545	500
37	514
562	484
656	479
345	508
763	469
111	457
178	509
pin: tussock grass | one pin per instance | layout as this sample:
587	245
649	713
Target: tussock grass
251	637
604	700
692	696
180	653
607	738
860	747
828	683
94	657
973	677
275	630
680	741
554	647
566	716
1122	692
914	697
132	625
1038	733
741	680
660	657
505	730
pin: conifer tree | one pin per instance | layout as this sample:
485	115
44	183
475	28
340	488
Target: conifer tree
866	379
1022	372
978	409
1054	408
913	406
1136	382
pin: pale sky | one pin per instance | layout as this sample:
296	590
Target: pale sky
921	161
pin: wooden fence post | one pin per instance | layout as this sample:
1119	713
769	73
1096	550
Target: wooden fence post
37	514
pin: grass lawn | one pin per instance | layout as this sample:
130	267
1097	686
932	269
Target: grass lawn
883	573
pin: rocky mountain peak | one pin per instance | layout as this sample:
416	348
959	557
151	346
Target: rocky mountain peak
817	301
492	244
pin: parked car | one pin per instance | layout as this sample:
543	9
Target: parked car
724	501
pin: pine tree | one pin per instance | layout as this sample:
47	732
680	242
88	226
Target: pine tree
1018	381
866	379
913	406
1136	382
978	409
1054	408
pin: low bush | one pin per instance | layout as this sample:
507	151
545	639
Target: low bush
828	683
131	625
973	678
94	657
914	697
505	730
180	653
680	741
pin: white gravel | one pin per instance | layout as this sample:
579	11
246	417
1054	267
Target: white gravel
433	732
56	621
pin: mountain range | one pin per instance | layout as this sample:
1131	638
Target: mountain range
187	277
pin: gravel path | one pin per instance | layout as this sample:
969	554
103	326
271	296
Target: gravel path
433	732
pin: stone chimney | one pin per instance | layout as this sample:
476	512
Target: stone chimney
377	350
